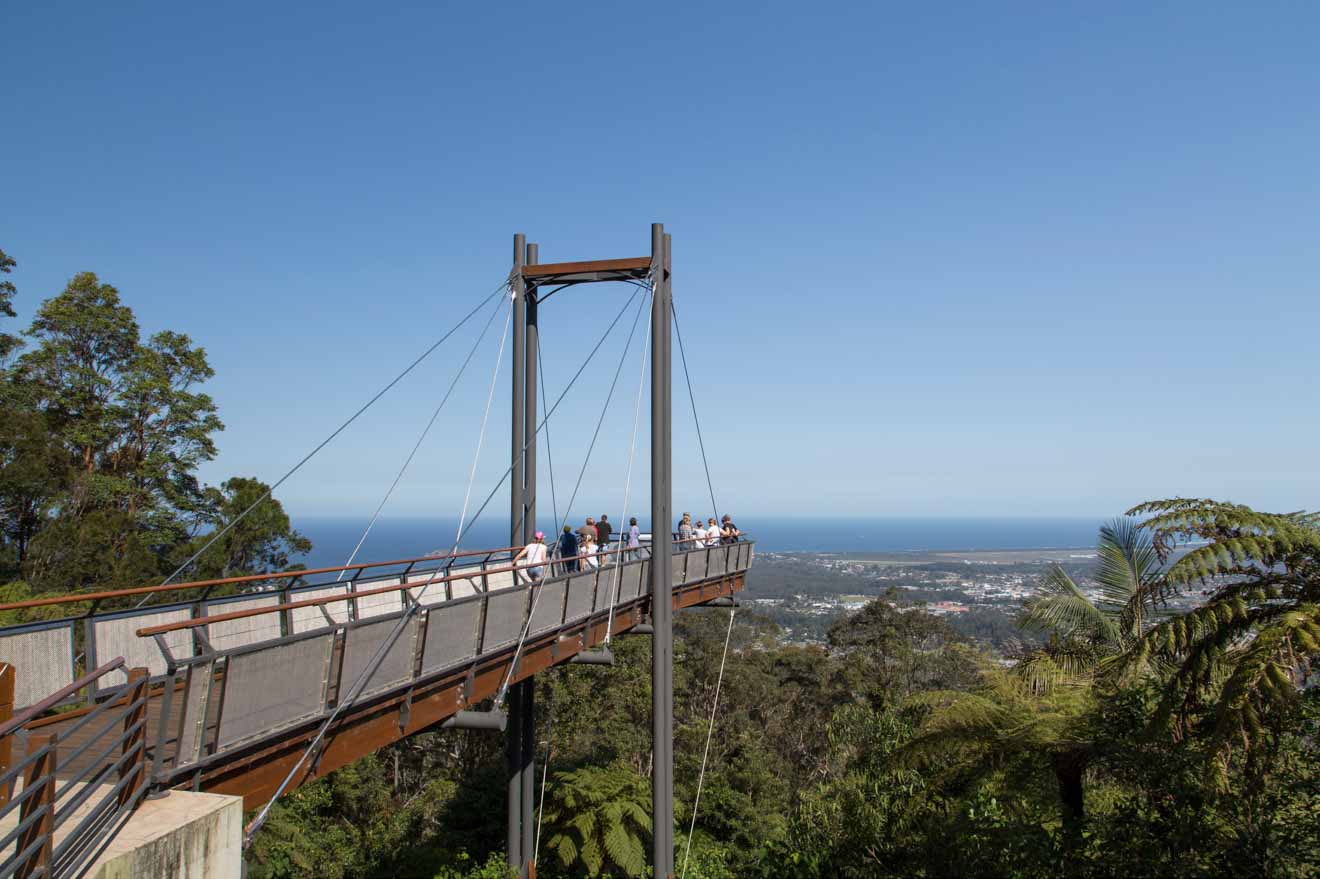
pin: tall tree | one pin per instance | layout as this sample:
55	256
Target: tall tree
1247	650
8	342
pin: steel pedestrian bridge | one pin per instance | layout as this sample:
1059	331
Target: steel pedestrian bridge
254	685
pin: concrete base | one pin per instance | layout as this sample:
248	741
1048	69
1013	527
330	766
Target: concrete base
182	834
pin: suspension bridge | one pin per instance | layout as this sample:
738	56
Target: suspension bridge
253	685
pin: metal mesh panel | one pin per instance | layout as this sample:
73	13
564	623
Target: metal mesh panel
582	591
719	561
461	587
273	688
118	637
697	560
228	634
193	723
501	580
307	619
751	553
361	644
631	585
42	661
679	565
504	619
451	635
744	556
644	578
549	606
379	605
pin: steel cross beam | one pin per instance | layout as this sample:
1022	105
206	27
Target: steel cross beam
528	276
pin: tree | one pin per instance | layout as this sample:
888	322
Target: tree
263	541
1240	659
599	817
8	343
1087	635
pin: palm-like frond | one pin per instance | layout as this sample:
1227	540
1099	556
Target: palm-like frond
1244	653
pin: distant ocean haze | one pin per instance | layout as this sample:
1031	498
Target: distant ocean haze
333	539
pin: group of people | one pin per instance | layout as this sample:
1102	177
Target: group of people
711	534
578	548
583	548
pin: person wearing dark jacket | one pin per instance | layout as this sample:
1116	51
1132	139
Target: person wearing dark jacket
568	549
603	531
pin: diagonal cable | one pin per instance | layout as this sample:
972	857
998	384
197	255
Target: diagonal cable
693	399
426	430
325	442
710	731
385	646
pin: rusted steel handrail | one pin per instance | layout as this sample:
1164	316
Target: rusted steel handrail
246	578
17	721
164	628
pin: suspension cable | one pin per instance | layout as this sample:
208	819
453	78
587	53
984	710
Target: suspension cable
385	646
425	430
627	482
325	442
693	399
568	511
558	400
710	731
536	594
549	458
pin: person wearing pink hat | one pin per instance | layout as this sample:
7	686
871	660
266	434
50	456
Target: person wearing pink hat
534	555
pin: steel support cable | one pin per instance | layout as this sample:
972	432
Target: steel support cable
416	446
692	398
618	370
627	482
558	400
710	731
260	819
325	442
383	650
549	458
536	595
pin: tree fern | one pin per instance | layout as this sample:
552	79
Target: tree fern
1241	657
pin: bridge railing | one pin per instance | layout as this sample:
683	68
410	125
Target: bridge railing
233	698
70	789
51	653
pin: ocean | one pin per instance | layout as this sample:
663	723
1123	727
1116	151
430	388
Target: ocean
333	539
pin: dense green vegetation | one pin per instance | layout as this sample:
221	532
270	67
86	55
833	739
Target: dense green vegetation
1128	740
102	435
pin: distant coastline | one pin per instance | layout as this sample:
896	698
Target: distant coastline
333	538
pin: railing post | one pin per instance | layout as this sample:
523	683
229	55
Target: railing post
135	740
40	773
6	713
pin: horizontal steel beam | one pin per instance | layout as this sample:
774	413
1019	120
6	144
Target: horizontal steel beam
588	270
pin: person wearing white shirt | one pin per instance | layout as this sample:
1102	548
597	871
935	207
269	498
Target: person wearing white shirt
534	555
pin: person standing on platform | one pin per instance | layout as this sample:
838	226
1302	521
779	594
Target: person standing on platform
587	530
712	532
685	531
730	532
533	554
603	531
634	539
568	549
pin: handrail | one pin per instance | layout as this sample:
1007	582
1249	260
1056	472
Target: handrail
162	629
225	581
18	720
197	622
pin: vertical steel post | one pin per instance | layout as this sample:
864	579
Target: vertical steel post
662	720
528	687
513	735
669	494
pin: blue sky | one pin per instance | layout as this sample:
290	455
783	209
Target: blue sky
975	259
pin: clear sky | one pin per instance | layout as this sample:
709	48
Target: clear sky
962	259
